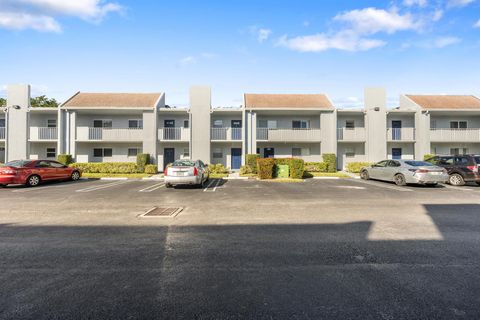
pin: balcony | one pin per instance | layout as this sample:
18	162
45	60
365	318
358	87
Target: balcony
226	134
400	134
174	134
109	134
351	134
455	135
2	133
288	135
43	134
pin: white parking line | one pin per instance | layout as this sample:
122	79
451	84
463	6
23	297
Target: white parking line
153	188
26	189
384	185
216	182
457	188
103	186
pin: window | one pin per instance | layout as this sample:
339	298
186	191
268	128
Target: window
300	152
461	161
2	123
446	161
262	123
51	152
135	124
218	123
394	164
51	123
300	124
55	164
272	124
458	124
186	153
433	124
43	164
350	124
102	152
102	123
107	152
381	164
217	153
458	151
132	152
349	152
186	123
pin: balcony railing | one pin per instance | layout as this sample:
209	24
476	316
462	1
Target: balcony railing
401	134
455	135
174	134
43	133
292	135
109	134
226	134
351	134
2	133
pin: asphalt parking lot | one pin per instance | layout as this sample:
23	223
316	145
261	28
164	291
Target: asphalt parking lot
347	249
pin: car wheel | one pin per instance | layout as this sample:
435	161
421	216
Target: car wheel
478	182
456	180
75	176
168	185
33	181
399	180
364	175
3	185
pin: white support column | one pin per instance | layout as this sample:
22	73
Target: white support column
16	136
376	124
422	134
73	134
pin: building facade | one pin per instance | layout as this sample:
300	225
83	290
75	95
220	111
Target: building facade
115	127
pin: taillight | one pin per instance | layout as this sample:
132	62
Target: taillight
9	171
472	168
166	172
419	170
195	171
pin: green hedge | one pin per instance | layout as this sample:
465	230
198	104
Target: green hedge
295	165
106	167
142	160
331	160
247	170
151	169
356	167
428	157
251	161
217	169
265	168
316	167
65	159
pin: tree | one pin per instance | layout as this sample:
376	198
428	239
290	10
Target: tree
43	102
3	102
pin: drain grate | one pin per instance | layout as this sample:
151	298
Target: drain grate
158	212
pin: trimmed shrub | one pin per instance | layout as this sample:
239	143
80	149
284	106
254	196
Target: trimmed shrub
151	169
429	157
356	167
251	161
65	159
316	167
265	168
106	167
246	170
142	160
217	168
331	160
296	166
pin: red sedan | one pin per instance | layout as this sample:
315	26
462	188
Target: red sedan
33	172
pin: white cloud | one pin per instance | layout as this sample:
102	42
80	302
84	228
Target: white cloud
41	14
477	24
459	3
263	34
187	61
410	3
437	15
346	41
446	41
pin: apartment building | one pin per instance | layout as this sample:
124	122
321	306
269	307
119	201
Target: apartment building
115	127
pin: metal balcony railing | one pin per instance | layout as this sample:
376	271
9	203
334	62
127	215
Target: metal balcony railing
43	133
2	133
351	134
280	135
455	135
226	134
109	134
174	134
400	134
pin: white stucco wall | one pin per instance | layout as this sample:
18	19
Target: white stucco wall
408	150
119	152
283	150
226	149
180	148
38	150
444	148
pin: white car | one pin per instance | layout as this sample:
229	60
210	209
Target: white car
188	172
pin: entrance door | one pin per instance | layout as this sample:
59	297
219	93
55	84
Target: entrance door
169	129
236	129
2	155
236	158
396	130
268	152
168	156
396	153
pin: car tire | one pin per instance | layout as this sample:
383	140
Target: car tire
364	175
478	182
168	185
75	176
456	179
3	185
399	180
33	181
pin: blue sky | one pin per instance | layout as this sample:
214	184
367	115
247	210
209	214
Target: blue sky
301	46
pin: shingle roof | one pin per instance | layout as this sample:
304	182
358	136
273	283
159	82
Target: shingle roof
113	100
293	101
439	102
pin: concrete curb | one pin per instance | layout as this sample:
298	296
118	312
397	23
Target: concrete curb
113	178
236	178
328	178
153	179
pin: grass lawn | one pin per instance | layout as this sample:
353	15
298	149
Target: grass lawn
115	175
218	175
326	174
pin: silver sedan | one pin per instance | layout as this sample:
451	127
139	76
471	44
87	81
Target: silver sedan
186	172
405	171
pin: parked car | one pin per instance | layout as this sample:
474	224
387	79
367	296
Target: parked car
186	172
405	171
461	169
33	172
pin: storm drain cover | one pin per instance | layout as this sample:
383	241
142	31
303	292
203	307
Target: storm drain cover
158	212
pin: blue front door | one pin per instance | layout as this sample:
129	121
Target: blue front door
396	153
236	158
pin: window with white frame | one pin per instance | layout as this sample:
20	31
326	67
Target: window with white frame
433	124
51	152
350	124
133	152
102	152
300	152
270	124
300	124
349	152
218	123
135	124
102	123
51	123
2	123
217	153
186	153
458	124
186	123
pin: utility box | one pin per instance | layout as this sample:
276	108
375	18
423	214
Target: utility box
282	171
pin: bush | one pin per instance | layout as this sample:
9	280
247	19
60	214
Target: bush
142	160
252	162
65	159
106	167
265	168
316	167
295	165
246	170
217	168
151	169
331	160
428	157
356	167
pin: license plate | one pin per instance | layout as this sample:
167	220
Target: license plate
436	173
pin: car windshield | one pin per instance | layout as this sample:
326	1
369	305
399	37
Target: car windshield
419	163
17	163
183	163
477	160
